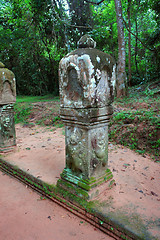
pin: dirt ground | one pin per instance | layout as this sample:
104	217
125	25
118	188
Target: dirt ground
41	152
24	216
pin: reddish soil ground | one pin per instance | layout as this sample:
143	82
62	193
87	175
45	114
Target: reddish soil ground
41	152
24	216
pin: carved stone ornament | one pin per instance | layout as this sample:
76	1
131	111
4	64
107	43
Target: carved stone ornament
7	85
7	98
7	127
86	78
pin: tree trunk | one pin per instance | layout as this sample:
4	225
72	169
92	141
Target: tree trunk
136	46
129	42
121	73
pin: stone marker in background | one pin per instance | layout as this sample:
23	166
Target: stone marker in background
7	99
86	96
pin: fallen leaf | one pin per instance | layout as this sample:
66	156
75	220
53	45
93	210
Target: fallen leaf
154	194
140	191
42	198
146	168
114	170
28	148
126	165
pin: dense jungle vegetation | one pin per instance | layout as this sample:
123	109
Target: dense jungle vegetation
36	34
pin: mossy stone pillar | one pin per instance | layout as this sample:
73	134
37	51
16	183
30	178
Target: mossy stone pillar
7	99
86	96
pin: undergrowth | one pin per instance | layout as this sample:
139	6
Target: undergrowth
22	112
136	120
31	99
42	110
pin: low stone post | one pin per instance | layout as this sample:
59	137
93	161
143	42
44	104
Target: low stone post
7	99
86	96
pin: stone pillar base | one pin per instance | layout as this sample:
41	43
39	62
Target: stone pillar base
7	128
86	189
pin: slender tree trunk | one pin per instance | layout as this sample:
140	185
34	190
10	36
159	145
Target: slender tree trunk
121	73
129	42
136	44
136	47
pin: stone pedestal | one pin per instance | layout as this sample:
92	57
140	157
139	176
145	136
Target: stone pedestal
7	128
86	95
7	99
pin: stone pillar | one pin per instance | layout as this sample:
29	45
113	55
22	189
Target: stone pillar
86	96
7	99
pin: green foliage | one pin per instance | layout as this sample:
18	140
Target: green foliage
138	125
22	111
35	35
142	115
145	50
30	99
145	58
105	28
28	46
39	108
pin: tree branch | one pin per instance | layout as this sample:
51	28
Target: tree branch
137	37
94	2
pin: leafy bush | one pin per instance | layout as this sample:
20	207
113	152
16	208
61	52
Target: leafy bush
22	111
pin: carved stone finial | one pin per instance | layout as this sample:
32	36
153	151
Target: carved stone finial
7	86
2	65
86	42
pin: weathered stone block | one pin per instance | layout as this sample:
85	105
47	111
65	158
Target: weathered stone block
87	150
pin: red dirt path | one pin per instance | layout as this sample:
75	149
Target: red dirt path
24	216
